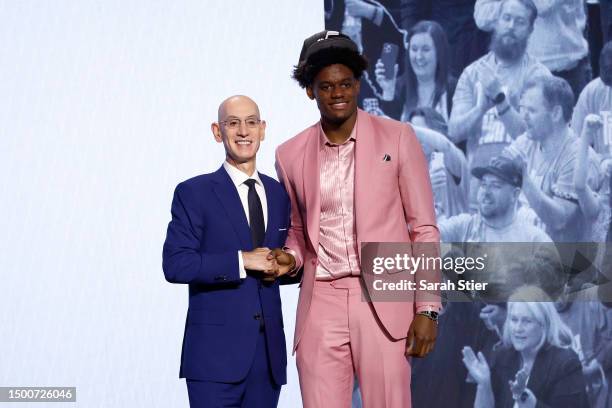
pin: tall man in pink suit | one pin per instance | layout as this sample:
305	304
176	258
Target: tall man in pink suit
352	178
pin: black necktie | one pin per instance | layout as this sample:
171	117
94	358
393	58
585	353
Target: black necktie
256	218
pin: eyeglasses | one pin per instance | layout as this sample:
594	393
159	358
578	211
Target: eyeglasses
234	123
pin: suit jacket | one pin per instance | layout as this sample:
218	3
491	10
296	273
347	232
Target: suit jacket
208	228
556	378
393	203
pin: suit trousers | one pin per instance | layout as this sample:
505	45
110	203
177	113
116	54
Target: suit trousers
343	337
257	390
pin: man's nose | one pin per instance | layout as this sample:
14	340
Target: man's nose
337	92
243	129
511	26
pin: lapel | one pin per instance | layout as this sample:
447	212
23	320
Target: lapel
230	201
365	162
312	187
273	211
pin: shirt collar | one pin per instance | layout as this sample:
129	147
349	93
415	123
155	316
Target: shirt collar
238	177
323	140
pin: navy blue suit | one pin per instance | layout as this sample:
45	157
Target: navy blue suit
226	314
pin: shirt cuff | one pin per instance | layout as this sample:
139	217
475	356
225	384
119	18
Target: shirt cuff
298	262
241	269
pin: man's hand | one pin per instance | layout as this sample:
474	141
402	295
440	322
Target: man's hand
593	124
438	178
285	261
257	260
382	77
491	84
421	336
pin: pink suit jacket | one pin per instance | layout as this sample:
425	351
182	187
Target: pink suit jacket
393	203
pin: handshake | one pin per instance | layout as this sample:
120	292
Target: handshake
268	264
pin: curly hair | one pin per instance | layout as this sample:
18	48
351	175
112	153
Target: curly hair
306	71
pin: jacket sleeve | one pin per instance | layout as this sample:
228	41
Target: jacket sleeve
295	236
184	261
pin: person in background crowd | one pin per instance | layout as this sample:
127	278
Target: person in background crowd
557	40
592	190
586	317
496	221
593	194
535	365
476	323
547	152
596	98
467	42
448	169
425	81
485	105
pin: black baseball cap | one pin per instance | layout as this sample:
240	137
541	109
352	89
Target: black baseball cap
323	40
503	167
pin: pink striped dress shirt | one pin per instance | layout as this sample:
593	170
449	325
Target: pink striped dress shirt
337	252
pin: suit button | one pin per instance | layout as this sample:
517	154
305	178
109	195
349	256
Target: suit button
314	261
257	316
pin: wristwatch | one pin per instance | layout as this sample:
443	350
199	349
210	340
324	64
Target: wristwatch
429	314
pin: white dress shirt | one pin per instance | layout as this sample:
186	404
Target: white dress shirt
238	178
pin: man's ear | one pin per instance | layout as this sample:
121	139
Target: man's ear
357	85
262	135
557	113
310	92
216	130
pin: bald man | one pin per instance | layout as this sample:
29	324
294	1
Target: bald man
218	241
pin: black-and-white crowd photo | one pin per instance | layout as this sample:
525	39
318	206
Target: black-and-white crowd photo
511	101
